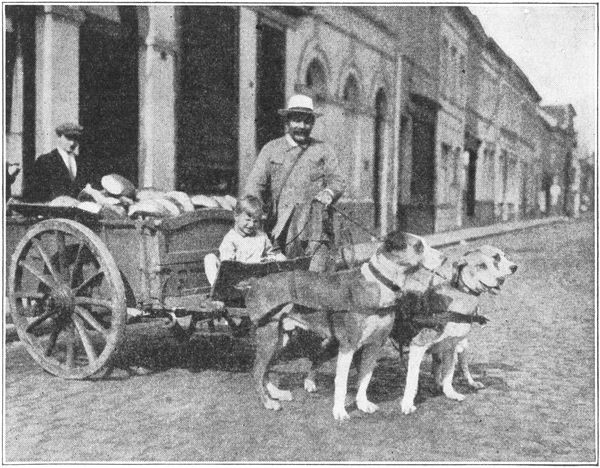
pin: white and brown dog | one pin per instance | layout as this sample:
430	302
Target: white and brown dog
480	271
351	310
505	268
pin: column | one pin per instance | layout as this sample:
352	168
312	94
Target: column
398	150
247	104
57	71
157	100
14	134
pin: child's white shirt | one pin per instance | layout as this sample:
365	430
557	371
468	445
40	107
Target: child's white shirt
248	249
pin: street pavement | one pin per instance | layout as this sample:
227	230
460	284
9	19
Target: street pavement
195	402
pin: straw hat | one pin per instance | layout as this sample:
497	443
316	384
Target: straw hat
299	103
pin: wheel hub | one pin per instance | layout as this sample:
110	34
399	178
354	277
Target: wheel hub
64	299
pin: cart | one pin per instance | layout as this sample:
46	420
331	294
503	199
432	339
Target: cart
73	277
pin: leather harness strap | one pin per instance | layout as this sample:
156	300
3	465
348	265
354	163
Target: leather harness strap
293	292
388	283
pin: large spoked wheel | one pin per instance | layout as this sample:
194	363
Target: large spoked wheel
67	298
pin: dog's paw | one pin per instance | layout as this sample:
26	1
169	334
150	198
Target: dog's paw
408	407
272	405
454	395
277	394
340	414
366	406
310	386
476	385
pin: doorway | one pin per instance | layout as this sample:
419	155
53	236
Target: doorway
378	154
471	177
207	100
109	94
270	86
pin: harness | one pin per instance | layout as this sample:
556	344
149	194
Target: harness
388	283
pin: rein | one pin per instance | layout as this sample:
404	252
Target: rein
378	238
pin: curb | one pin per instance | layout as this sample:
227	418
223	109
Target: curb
444	239
449	238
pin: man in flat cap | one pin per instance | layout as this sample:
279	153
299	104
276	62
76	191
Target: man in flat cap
58	172
298	177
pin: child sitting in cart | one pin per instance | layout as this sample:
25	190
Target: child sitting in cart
246	242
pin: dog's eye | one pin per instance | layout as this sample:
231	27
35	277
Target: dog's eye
497	257
482	266
419	247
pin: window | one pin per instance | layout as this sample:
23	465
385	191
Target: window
350	94
316	80
504	172
457	166
446	173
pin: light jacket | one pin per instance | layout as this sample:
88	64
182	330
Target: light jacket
316	169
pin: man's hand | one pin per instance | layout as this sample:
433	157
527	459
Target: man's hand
13	170
325	196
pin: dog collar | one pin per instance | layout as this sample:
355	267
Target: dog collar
388	283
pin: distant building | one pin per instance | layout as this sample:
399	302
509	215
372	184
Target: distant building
436	128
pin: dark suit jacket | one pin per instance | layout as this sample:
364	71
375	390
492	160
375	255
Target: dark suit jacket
50	178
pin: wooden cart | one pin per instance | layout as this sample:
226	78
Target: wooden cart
73	277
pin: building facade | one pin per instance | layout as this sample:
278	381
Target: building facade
435	127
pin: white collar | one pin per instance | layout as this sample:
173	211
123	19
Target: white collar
70	162
290	140
66	157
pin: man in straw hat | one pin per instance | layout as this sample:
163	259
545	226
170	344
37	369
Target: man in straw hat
298	177
58	172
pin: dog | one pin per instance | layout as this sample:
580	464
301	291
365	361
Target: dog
505	268
481	271
351	310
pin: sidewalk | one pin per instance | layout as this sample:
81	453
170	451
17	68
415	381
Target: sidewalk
442	239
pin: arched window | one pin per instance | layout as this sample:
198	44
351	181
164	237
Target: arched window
350	94
378	153
316	80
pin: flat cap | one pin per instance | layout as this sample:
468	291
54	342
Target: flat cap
69	129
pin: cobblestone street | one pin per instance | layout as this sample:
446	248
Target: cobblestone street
536	358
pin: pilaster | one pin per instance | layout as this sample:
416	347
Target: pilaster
397	149
57	70
157	100
247	107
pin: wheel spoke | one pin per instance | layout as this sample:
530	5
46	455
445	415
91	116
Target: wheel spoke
70	360
47	280
76	265
51	341
92	278
47	261
36	321
93	301
61	250
85	339
29	295
89	318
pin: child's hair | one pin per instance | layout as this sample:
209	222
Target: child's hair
250	205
